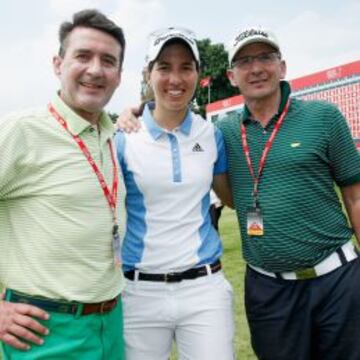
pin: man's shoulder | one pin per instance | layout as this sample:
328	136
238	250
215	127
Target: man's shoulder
312	105
228	122
17	118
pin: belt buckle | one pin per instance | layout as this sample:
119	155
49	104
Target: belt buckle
107	306
73	308
172	277
104	307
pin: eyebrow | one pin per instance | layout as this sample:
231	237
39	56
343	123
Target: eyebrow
87	51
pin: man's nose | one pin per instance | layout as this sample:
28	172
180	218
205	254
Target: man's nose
95	66
256	66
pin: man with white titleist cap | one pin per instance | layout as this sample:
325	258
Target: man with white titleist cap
284	154
171	252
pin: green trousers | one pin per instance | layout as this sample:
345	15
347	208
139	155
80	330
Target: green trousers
71	337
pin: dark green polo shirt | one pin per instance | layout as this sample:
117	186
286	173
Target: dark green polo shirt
303	218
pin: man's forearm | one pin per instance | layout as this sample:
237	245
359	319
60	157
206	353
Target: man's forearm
351	197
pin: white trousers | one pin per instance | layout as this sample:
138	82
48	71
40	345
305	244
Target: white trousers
197	314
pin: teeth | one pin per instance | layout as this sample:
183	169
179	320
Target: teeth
175	92
92	86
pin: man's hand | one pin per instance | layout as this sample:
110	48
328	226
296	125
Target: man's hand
17	324
128	120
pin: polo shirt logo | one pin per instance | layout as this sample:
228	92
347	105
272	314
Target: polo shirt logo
295	145
197	148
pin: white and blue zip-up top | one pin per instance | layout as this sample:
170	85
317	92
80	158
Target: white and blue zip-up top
168	176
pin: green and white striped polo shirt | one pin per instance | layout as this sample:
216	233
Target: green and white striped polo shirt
55	223
303	218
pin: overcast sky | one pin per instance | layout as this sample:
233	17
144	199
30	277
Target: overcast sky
314	35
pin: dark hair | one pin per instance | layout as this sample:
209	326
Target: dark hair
94	19
172	42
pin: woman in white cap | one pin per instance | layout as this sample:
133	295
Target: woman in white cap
171	252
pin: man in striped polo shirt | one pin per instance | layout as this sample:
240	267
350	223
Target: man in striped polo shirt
59	234
285	155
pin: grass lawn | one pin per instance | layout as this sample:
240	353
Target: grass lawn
234	269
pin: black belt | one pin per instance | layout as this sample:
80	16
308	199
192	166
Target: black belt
62	306
175	276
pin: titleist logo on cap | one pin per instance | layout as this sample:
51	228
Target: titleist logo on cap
173	35
247	33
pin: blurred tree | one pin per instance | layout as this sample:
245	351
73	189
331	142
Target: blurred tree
214	64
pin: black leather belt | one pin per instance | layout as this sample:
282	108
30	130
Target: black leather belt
175	276
62	306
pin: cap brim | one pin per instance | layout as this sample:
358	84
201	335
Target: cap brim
253	40
155	53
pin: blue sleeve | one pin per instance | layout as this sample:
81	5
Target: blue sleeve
119	141
220	166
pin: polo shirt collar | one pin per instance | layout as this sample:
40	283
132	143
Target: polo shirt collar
77	124
285	93
156	131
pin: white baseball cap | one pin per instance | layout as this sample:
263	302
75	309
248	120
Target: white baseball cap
250	36
159	38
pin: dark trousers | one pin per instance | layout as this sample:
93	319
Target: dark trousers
316	319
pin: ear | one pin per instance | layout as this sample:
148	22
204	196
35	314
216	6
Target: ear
119	78
57	61
231	77
282	69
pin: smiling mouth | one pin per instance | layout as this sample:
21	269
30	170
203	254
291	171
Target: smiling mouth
91	85
175	93
258	82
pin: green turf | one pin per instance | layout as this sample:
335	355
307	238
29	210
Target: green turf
234	269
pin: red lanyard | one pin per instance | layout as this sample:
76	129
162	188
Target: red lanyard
111	197
265	151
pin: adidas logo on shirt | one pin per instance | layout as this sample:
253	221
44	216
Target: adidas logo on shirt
197	148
